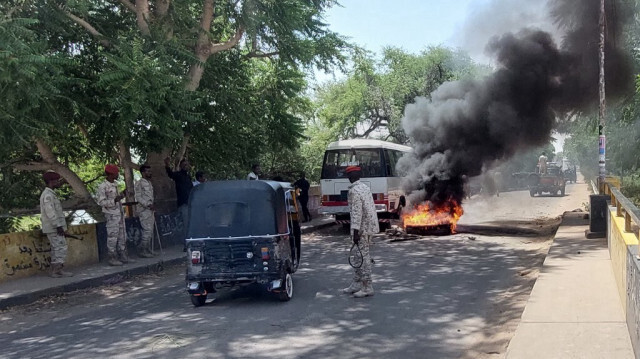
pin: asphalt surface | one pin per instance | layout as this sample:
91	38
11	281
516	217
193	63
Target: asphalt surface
436	297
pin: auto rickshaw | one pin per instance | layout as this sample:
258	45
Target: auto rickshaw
242	232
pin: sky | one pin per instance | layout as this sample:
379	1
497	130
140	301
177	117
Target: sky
411	24
415	25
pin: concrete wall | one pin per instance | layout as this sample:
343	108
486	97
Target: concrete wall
623	248
24	254
170	228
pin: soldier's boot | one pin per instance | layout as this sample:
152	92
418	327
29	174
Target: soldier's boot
124	258
354	287
63	273
366	291
144	252
53	271
113	259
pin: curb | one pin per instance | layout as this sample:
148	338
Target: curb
315	228
107	279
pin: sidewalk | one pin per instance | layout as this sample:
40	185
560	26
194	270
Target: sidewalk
574	310
28	290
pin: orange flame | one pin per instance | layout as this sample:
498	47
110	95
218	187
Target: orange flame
426	214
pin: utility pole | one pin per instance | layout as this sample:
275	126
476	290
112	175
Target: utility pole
601	115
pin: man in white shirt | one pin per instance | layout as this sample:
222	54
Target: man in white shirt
255	172
542	163
200	178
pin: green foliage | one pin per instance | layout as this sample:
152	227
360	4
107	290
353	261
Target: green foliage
631	188
370	101
146	104
30	84
83	77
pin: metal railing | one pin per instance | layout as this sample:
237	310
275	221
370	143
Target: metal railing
624	208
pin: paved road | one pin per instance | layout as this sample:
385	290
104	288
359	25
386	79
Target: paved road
436	297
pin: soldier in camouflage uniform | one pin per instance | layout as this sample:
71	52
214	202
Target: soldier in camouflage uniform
144	197
364	224
54	224
109	199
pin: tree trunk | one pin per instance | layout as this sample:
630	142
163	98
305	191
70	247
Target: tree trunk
126	163
163	187
50	162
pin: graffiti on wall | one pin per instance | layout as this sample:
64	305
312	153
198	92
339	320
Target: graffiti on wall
23	254
170	224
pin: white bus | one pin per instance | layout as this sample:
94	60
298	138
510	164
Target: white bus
378	162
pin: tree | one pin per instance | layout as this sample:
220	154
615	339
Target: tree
370	101
131	77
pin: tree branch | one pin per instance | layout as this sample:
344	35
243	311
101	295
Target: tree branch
34	166
92	30
142	16
215	48
207	16
162	8
262	54
128	4
45	151
182	151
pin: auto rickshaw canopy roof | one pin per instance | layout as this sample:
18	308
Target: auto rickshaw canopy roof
222	209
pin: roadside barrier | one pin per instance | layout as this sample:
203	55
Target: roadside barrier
622	238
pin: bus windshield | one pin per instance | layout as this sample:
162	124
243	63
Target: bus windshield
337	161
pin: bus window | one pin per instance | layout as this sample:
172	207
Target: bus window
390	160
337	161
397	155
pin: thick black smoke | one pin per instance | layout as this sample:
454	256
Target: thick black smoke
466	126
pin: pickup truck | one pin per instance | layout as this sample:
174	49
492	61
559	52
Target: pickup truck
552	182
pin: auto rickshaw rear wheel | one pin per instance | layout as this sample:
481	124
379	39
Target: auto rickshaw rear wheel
198	300
286	293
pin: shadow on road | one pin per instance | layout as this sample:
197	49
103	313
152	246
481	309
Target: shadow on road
435	298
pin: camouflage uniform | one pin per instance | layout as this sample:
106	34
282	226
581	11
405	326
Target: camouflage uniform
144	197
365	220
116	236
52	217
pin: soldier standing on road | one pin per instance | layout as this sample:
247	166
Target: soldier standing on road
364	224
144	197
109	199
54	224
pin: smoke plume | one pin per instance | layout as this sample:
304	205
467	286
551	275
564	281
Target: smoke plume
468	125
